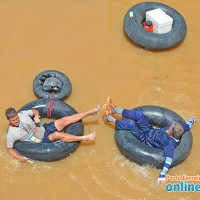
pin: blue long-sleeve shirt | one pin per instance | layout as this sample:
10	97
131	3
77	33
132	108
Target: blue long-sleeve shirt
160	139
146	134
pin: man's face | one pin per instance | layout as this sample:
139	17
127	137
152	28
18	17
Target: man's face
170	129
14	120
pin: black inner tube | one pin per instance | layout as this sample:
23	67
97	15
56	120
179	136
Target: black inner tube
148	40
52	81
142	154
55	150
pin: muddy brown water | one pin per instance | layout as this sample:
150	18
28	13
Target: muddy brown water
84	39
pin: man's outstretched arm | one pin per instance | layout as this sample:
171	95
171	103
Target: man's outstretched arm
168	162
18	157
187	126
191	122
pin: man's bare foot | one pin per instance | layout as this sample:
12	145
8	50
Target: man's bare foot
111	105
90	137
95	110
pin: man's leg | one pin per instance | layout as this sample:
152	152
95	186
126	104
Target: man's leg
60	124
124	125
135	115
113	108
138	117
66	137
119	124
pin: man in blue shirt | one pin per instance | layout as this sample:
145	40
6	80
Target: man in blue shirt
167	138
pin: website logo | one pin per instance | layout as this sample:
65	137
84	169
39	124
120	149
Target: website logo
184	184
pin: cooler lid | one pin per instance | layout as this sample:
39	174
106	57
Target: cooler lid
159	17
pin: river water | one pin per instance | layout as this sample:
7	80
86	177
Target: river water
84	39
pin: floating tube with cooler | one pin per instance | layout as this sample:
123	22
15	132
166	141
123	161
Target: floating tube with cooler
52	81
136	33
55	150
137	152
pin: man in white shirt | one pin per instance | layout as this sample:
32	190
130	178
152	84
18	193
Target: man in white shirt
22	127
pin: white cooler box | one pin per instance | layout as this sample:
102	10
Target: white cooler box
161	21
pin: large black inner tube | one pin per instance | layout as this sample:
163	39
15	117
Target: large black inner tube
55	150
137	152
148	40
52	81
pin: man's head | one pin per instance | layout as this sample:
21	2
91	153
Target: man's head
176	130
12	116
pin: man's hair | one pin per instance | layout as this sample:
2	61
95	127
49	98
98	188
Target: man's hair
10	112
177	130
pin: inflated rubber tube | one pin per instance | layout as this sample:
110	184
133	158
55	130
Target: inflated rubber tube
142	154
52	81
148	40
55	150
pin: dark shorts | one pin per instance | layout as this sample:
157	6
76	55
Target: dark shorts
49	129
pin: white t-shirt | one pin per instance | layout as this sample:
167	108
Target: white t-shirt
24	130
